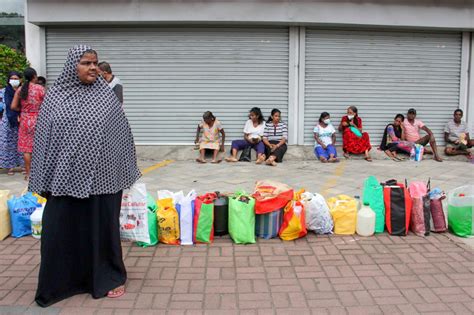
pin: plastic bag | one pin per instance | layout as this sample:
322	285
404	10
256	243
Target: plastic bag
416	153
420	211
343	210
168	222
242	218
268	225
460	210
318	218
5	224
294	223
185	207
203	228
134	214
356	131
373	196
246	155
152	222
271	196
20	209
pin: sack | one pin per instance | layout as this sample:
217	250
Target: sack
294	223
373	196
343	210
416	152
5	224
185	207
271	196
134	214
355	131
246	155
242	218
221	215
268	225
168	222
203	228
460	210
21	209
420	211
318	218
438	218
398	206
152	222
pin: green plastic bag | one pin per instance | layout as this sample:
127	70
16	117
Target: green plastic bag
242	218
461	211
152	222
203	227
373	197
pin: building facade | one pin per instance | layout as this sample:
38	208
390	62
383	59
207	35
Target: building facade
177	59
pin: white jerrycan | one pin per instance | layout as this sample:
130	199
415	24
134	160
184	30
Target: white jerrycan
365	221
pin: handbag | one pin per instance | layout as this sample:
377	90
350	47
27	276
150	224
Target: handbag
246	155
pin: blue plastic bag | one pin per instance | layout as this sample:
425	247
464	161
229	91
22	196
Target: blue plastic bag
21	209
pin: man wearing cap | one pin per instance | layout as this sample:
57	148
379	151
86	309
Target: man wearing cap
412	127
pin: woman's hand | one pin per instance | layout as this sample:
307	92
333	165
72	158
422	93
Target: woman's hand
324	146
273	147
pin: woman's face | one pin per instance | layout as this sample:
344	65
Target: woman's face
397	122
87	68
253	117
208	121
276	117
350	112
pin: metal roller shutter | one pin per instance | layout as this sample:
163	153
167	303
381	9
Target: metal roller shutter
382	73
172	75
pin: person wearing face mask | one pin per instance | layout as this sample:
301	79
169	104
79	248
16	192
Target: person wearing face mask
10	158
325	138
354	141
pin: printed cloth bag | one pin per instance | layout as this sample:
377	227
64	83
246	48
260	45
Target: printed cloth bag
343	210
20	209
438	218
134	214
203	228
294	221
185	207
5	224
267	225
271	196
242	218
373	196
318	218
398	206
420	210
152	222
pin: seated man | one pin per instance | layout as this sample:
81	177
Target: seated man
456	135
412	127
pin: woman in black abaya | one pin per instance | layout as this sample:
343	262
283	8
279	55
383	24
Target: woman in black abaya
83	157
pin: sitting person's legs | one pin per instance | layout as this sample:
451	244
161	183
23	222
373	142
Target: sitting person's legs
331	151
321	154
260	149
236	146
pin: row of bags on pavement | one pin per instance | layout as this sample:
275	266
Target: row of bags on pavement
273	210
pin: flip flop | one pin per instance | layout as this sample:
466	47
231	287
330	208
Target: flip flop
10	173
216	161
200	161
346	156
117	292
231	159
368	159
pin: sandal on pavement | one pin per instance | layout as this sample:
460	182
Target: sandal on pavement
368	159
260	160
216	161
117	292
231	159
10	172
346	155
201	161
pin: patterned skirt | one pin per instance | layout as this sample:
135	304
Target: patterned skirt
9	155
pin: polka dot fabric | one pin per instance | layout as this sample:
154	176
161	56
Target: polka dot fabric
83	142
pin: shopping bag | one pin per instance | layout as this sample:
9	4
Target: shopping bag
168	222
5	224
246	155
221	215
20	209
398	206
318	218
343	210
271	196
203	228
416	152
460	210
294	223
185	207
373	196
420	210
267	225
152	222
355	131
242	218
438	218
134	214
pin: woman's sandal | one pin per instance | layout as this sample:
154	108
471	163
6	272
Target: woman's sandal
231	159
260	160
368	159
216	161
201	161
10	173
117	292
346	155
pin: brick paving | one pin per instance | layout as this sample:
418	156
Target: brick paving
314	275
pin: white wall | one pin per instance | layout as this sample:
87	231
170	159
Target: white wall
33	45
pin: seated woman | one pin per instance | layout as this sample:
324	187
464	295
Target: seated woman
210	140
325	137
353	139
393	139
274	138
253	132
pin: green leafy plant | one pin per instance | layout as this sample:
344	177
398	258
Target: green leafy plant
11	60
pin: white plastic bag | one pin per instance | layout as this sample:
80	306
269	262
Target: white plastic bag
318	218
185	206
134	215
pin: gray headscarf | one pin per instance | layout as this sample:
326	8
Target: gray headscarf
83	142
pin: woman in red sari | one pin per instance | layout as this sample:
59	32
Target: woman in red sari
353	139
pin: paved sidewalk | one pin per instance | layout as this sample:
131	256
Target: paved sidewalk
313	275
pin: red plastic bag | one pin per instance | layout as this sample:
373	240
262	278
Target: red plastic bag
271	196
294	221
